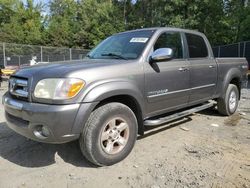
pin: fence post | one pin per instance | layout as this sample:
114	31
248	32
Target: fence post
239	49
219	52
19	60
70	53
4	58
41	54
244	50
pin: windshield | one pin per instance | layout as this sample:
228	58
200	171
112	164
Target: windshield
122	46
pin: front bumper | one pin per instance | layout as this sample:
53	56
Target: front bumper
61	121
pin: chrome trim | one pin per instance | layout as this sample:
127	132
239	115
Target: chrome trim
183	69
200	87
166	119
178	91
12	104
244	66
68	135
20	93
23	83
168	93
18	87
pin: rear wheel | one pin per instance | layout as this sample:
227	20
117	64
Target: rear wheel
109	134
229	103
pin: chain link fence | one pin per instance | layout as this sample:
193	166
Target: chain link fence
241	49
19	55
1	57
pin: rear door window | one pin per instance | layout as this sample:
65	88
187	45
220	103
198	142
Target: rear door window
196	46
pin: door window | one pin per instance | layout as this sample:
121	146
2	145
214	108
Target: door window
196	46
170	40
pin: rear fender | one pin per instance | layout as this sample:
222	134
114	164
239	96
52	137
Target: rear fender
232	74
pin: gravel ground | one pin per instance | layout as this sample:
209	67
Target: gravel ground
202	150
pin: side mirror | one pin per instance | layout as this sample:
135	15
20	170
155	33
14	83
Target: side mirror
162	54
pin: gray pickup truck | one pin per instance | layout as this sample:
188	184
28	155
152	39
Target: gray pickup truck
131	80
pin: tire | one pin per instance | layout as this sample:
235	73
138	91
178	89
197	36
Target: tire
109	134
229	103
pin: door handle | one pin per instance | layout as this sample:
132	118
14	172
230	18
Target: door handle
211	66
183	69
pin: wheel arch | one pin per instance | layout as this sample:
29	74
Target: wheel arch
236	81
132	103
232	77
122	92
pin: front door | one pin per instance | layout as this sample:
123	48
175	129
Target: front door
167	82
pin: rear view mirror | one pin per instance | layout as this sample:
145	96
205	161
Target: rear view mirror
162	54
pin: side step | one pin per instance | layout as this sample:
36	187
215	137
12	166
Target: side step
169	118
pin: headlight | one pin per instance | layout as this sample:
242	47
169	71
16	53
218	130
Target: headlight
58	88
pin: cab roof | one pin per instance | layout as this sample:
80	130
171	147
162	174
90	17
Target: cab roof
165	29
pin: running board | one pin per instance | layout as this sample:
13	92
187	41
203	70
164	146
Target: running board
178	115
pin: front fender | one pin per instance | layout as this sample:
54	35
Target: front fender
114	88
93	95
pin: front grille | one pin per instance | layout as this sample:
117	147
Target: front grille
18	88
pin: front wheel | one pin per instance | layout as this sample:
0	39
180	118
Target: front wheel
229	103
109	134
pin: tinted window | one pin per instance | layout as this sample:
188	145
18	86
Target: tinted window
170	40
127	45
196	46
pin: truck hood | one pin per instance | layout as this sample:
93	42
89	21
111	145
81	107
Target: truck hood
63	69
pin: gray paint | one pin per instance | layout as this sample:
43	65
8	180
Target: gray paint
158	87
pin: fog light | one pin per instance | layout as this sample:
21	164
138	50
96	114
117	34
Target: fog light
41	132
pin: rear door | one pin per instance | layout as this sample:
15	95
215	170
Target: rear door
203	69
167	82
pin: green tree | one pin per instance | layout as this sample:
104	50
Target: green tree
6	10
21	23
237	15
206	16
86	22
97	20
62	23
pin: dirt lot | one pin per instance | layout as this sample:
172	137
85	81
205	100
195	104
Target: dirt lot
203	150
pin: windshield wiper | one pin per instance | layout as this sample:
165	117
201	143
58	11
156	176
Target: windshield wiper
114	55
89	56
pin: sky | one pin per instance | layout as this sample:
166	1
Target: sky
45	10
38	1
